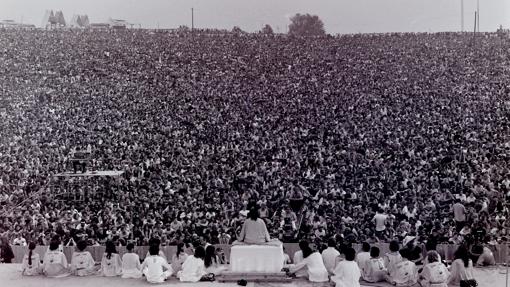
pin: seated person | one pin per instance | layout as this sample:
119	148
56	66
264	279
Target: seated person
82	263
347	273
193	269
462	267
364	255
435	273
316	269
483	255
111	264
212	261
154	265
254	231
404	273
31	264
393	257
330	256
131	267
157	242
374	270
298	258
55	262
179	257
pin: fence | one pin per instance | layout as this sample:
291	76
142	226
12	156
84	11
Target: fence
446	251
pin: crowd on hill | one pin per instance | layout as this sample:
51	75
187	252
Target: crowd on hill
365	137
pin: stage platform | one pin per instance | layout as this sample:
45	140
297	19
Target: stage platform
91	173
10	276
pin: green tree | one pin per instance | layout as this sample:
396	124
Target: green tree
306	25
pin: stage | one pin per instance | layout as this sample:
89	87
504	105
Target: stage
10	276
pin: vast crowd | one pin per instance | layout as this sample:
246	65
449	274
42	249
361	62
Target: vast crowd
365	137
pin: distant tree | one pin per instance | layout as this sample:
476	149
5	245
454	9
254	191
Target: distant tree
306	25
237	30
268	30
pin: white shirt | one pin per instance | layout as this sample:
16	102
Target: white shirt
55	264
192	270
112	266
316	270
82	263
374	270
380	220
155	265
361	258
35	268
347	274
330	257
131	267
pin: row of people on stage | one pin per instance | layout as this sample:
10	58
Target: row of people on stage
395	267
187	265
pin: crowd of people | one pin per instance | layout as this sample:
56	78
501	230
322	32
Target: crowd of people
361	137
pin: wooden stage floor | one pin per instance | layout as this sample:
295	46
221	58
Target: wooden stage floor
11	277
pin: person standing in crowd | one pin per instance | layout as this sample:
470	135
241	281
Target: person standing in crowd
19	240
364	255
131	267
82	263
459	215
462	268
373	270
31	264
347	272
330	256
435	273
6	253
153	267
193	269
55	262
111	264
316	270
380	223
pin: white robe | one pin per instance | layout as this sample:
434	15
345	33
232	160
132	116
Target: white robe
347	274
192	270
82	264
111	267
316	270
404	273
330	257
374	270
131	267
153	267
34	269
298	258
435	275
55	264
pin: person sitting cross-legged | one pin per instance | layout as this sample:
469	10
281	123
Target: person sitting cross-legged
131	267
31	264
347	272
82	263
374	270
435	273
153	266
403	273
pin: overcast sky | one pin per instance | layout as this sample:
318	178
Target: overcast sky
339	16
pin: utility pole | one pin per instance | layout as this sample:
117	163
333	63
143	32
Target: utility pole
192	20
478	15
462	15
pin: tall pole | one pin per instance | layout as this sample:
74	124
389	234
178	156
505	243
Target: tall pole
462	15
192	20
478	15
